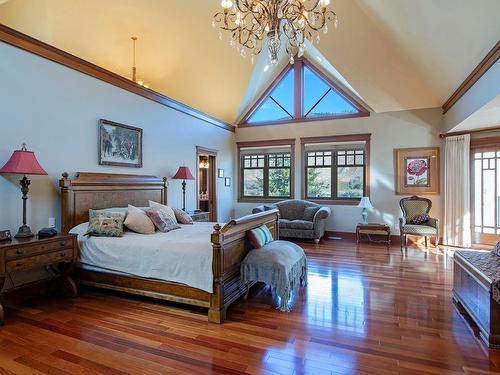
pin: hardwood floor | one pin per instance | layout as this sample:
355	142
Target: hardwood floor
365	311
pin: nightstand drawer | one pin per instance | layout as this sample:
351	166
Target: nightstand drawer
39	260
39	248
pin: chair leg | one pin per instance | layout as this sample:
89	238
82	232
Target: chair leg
426	244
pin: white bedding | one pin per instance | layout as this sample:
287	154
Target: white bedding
183	255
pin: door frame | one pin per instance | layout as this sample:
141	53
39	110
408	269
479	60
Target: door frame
212	179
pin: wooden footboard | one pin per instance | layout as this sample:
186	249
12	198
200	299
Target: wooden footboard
230	246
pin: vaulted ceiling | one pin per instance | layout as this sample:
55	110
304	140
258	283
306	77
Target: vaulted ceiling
397	54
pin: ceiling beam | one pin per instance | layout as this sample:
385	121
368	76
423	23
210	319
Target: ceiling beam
489	60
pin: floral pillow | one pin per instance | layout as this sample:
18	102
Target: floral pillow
105	224
419	219
162	220
182	216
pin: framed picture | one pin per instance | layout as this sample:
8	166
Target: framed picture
227	181
220	173
119	145
417	170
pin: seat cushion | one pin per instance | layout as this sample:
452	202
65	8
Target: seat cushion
423	230
296	224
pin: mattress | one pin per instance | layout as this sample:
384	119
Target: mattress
183	255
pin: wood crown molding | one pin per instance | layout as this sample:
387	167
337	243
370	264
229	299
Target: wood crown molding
485	64
268	143
336	138
37	47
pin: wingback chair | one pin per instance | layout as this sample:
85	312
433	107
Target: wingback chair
412	207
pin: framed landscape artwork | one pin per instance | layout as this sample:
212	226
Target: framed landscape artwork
119	145
417	170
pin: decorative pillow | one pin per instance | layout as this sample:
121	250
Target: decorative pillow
105	224
163	221
182	216
138	221
496	250
168	210
309	213
419	219
260	236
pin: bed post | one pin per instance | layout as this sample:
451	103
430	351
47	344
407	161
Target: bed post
164	194
66	203
217	310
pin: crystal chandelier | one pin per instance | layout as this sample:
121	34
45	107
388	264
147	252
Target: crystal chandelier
250	21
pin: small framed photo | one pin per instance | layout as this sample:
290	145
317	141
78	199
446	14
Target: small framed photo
227	181
220	173
119	145
417	170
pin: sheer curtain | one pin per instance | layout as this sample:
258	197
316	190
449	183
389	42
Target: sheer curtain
457	216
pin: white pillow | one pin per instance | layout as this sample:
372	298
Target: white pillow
138	221
168	210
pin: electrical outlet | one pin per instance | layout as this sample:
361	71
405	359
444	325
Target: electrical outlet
52	222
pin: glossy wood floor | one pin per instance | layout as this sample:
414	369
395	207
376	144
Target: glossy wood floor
365	311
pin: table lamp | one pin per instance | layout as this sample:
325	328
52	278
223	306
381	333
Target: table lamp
23	162
183	173
365	204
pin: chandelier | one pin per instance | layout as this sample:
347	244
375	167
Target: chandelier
250	21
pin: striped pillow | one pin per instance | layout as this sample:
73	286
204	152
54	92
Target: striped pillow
260	236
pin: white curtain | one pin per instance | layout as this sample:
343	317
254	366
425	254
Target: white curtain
457	231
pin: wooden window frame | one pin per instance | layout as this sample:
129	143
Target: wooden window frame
298	68
333	139
266	144
481	145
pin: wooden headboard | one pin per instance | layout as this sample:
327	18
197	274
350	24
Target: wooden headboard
103	190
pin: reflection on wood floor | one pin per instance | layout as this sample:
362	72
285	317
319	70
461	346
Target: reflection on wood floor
366	310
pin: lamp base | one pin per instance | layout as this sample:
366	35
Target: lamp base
364	216
24	232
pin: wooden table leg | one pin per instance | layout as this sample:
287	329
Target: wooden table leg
2	312
64	271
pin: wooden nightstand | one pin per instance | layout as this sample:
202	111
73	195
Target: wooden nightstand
58	253
370	229
199	216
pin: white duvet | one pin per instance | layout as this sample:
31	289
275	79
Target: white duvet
183	255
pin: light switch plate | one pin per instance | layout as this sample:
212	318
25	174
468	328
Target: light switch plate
52	222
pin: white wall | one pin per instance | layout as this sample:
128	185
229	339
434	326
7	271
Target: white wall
55	110
418	128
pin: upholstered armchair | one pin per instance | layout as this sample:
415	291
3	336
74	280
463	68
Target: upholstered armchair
299	218
409	225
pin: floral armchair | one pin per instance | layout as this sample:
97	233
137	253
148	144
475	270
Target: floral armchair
413	209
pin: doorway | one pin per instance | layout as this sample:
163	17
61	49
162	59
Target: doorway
206	181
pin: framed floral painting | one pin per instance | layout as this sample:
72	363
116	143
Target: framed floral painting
417	171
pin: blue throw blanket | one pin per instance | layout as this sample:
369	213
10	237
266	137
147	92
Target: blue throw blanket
280	264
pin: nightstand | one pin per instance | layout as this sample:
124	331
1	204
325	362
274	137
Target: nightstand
370	229
199	216
58	253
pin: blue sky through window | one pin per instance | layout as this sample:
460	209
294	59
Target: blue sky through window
279	104
320	99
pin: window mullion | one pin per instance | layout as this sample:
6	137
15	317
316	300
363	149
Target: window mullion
266	176
298	88
334	175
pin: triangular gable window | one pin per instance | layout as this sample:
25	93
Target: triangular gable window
312	97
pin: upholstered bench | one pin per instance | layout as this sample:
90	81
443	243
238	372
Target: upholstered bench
279	264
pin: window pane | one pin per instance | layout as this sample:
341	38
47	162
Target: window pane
489	198
268	111
253	182
478	187
314	89
279	182
279	105
332	104
350	182
319	182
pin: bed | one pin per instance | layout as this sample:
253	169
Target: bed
226	245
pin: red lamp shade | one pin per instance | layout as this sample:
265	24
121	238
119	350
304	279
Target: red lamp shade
23	162
183	173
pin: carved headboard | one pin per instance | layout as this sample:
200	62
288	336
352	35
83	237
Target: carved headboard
103	190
